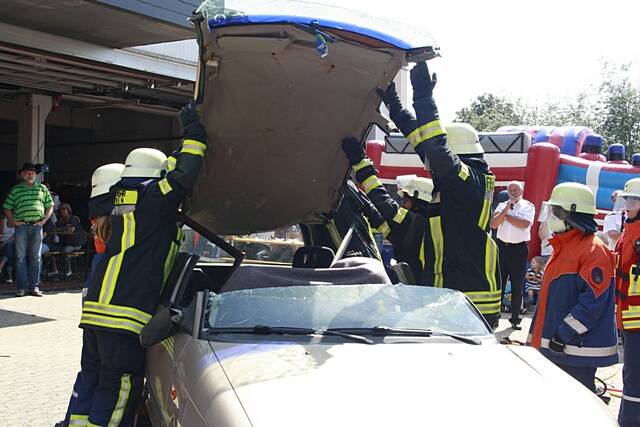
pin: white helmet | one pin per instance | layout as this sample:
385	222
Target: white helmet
629	198
104	177
415	186
462	138
145	163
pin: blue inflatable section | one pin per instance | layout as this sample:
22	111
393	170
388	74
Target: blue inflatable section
572	139
571	173
609	182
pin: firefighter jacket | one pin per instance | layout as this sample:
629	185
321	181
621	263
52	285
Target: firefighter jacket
144	241
408	231
466	254
575	303
628	278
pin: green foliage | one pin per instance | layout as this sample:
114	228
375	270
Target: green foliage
610	108
488	112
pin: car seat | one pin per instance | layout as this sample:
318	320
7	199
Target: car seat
313	257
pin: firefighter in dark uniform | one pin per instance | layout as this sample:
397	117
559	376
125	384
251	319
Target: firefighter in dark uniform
126	289
407	227
465	187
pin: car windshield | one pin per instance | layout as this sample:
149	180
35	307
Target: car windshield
325	307
274	247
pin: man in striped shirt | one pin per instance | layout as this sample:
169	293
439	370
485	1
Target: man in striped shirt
28	206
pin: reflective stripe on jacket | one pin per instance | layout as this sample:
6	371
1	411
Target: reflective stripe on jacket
628	278
125	291
576	303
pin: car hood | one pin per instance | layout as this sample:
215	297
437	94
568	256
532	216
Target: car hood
404	384
276	111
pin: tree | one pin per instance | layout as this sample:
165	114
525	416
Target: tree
619	109
610	108
488	112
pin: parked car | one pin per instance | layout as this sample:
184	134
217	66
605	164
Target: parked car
335	343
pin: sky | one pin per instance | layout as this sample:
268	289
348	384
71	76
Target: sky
535	50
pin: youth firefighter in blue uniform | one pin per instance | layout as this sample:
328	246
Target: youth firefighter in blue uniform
628	304
126	289
469	256
100	207
407	227
574	325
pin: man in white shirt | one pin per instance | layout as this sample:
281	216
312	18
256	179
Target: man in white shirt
614	223
513	220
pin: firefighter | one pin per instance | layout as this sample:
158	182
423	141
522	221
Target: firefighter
100	207
573	325
407	227
464	185
628	304
125	290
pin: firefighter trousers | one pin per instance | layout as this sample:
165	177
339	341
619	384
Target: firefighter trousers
110	383
629	415
584	375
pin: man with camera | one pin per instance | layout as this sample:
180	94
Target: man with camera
513	219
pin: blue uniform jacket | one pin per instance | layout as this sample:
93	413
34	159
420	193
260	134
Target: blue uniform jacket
576	302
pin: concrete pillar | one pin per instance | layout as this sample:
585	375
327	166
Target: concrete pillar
32	111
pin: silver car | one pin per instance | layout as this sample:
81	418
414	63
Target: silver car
335	343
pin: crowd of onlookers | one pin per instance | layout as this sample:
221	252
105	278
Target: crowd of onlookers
35	222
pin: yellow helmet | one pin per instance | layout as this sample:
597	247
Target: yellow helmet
145	163
573	197
415	186
104	177
462	138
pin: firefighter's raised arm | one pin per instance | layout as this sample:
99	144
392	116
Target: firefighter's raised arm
185	163
396	218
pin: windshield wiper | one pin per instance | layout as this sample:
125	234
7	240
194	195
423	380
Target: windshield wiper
386	331
288	330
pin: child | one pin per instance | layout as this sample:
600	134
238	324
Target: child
533	279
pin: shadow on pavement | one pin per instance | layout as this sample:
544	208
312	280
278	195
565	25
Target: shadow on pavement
10	318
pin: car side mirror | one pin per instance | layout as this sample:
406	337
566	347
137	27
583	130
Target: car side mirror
162	325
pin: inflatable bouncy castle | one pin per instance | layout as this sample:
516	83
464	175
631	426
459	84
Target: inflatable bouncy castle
541	157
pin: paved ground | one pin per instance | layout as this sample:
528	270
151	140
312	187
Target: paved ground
40	348
39	356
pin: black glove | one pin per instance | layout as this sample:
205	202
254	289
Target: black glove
353	149
390	99
192	127
422	82
556	344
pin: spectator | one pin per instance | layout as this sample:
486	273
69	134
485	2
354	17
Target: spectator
6	247
513	220
614	222
533	280
72	236
50	242
54	197
27	207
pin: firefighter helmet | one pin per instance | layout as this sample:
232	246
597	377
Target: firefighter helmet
104	177
462	138
415	186
573	197
145	163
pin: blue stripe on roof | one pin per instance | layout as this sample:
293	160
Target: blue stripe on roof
325	23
